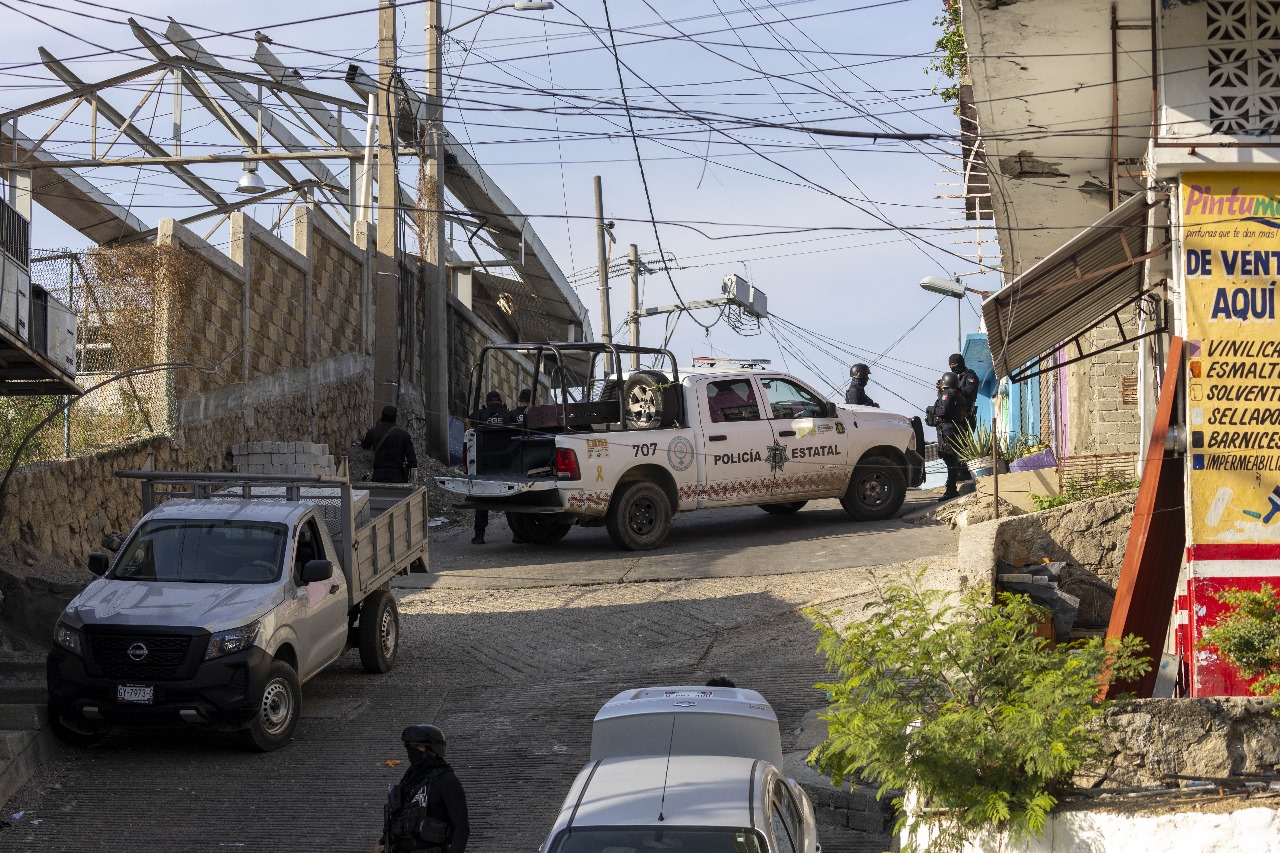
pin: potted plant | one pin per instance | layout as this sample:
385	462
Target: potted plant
977	447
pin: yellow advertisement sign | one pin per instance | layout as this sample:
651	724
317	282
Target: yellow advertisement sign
1230	262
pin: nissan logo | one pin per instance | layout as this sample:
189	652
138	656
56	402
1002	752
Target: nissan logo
137	651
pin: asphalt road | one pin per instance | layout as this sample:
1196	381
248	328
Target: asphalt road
511	652
739	542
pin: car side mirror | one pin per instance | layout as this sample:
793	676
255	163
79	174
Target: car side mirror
317	570
833	411
99	562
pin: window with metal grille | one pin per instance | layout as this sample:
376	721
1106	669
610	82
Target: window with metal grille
15	235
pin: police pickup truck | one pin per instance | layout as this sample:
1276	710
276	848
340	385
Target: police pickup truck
634	448
231	591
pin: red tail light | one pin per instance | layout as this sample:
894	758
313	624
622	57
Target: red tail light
567	464
465	461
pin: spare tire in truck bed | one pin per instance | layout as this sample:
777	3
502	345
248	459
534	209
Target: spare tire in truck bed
649	400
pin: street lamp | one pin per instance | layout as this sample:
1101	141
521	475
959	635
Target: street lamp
519	6
953	288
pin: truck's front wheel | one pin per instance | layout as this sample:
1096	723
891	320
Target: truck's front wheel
876	490
538	528
639	517
278	709
379	632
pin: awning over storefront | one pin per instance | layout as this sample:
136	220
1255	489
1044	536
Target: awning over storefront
1086	282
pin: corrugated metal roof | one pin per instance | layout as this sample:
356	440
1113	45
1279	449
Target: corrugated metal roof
1074	288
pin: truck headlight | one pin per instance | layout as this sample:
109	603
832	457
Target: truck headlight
229	642
67	637
911	440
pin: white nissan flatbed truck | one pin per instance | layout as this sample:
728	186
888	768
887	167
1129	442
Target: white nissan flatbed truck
633	448
231	592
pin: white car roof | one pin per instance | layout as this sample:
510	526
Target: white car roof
689	790
687	720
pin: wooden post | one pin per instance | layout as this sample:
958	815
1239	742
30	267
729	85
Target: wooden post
995	468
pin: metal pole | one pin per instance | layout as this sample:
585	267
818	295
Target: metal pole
436	325
995	469
386	290
606	323
959	324
635	305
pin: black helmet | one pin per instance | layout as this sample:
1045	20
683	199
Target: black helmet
949	380
859	371
428	734
956	361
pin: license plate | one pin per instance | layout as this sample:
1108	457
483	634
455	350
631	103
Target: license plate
136	694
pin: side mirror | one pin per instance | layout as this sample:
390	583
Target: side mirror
316	571
99	562
833	411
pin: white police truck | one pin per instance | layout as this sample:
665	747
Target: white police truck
633	448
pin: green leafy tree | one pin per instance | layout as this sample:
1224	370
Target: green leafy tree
963	705
1249	635
953	60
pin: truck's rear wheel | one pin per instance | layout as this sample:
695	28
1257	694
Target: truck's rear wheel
379	635
649	400
876	490
783	509
277	712
539	528
639	516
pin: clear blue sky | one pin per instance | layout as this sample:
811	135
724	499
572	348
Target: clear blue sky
809	219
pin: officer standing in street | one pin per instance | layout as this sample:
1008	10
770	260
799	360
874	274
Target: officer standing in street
857	393
427	811
493	415
393	455
949	416
967	382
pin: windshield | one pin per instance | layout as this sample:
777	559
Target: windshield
204	552
631	839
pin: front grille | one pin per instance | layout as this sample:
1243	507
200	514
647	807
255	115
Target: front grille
164	658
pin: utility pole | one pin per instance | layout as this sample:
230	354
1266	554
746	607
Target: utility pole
386	290
436	326
606	324
635	305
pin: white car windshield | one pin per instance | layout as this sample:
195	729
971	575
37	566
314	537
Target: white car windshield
633	839
204	552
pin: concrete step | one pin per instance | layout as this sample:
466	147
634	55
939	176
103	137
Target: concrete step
30	749
13	742
24	716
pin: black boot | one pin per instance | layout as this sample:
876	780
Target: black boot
478	539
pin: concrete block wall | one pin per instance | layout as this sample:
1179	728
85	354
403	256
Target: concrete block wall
468	334
1100	421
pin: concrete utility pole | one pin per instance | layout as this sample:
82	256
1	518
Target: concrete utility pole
435	274
386	290
635	305
606	324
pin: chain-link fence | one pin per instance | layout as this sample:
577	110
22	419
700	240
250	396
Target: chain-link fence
124	303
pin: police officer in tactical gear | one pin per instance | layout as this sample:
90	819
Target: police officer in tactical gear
427	811
857	394
967	382
392	446
949	414
493	415
517	415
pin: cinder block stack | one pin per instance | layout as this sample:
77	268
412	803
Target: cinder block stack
283	457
